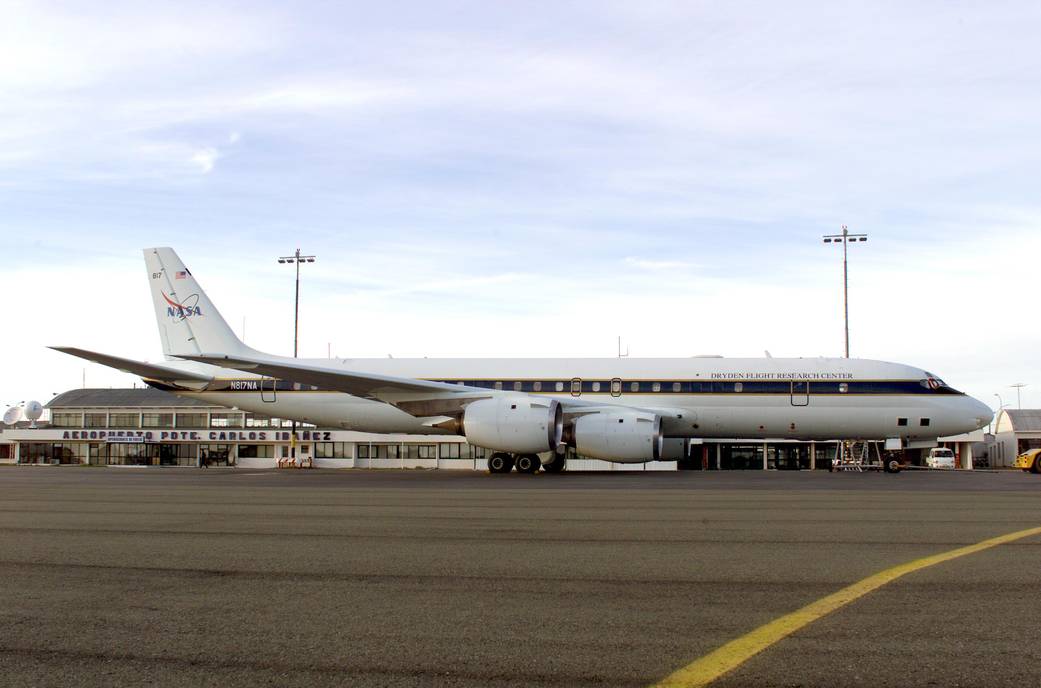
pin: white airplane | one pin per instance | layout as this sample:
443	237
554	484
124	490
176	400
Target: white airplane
616	409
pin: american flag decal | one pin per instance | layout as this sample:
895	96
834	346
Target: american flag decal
180	274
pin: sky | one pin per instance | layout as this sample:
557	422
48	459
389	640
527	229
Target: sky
527	179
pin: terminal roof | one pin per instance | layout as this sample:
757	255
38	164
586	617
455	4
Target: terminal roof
95	398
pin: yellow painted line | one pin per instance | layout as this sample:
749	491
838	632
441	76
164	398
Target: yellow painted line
706	669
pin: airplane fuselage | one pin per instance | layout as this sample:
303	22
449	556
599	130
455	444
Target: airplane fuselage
804	398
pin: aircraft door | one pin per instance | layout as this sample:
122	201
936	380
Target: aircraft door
800	393
267	389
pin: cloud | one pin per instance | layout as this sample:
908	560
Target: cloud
659	265
205	159
503	181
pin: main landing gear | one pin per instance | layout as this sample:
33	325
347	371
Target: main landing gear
501	462
557	465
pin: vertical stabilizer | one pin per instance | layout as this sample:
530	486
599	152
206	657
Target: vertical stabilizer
188	321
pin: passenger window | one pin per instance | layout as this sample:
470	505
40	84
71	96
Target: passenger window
576	387
517	386
616	387
843	387
924	422
656	387
537	386
596	386
634	387
739	387
498	385
902	422
676	387
560	386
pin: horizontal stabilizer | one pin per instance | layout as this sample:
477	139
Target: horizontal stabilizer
148	371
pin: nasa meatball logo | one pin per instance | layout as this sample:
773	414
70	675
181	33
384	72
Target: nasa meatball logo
188	308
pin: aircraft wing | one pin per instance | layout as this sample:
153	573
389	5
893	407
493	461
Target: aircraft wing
148	371
417	397
367	385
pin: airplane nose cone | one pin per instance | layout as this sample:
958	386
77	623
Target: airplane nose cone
982	415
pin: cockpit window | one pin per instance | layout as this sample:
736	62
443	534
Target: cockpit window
932	382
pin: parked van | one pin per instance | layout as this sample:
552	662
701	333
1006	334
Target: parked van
940	457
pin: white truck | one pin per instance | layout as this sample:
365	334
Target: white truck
940	457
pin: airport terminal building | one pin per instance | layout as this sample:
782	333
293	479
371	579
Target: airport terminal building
150	427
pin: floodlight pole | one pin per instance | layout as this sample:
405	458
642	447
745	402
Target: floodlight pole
296	307
296	258
845	285
1018	386
845	238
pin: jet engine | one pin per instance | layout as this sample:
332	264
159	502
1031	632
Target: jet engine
622	436
519	425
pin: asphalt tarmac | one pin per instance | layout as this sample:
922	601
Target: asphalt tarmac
237	577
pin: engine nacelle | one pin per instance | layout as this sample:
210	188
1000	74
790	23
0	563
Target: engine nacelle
622	436
519	425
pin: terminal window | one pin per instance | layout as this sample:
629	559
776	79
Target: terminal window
421	451
379	451
66	420
157	420
192	420
225	420
95	420
332	450
124	420
459	450
216	454
256	451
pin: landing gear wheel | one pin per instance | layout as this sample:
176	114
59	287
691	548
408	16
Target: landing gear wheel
500	463
528	463
1036	468
557	465
892	465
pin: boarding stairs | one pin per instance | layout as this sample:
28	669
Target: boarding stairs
856	456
